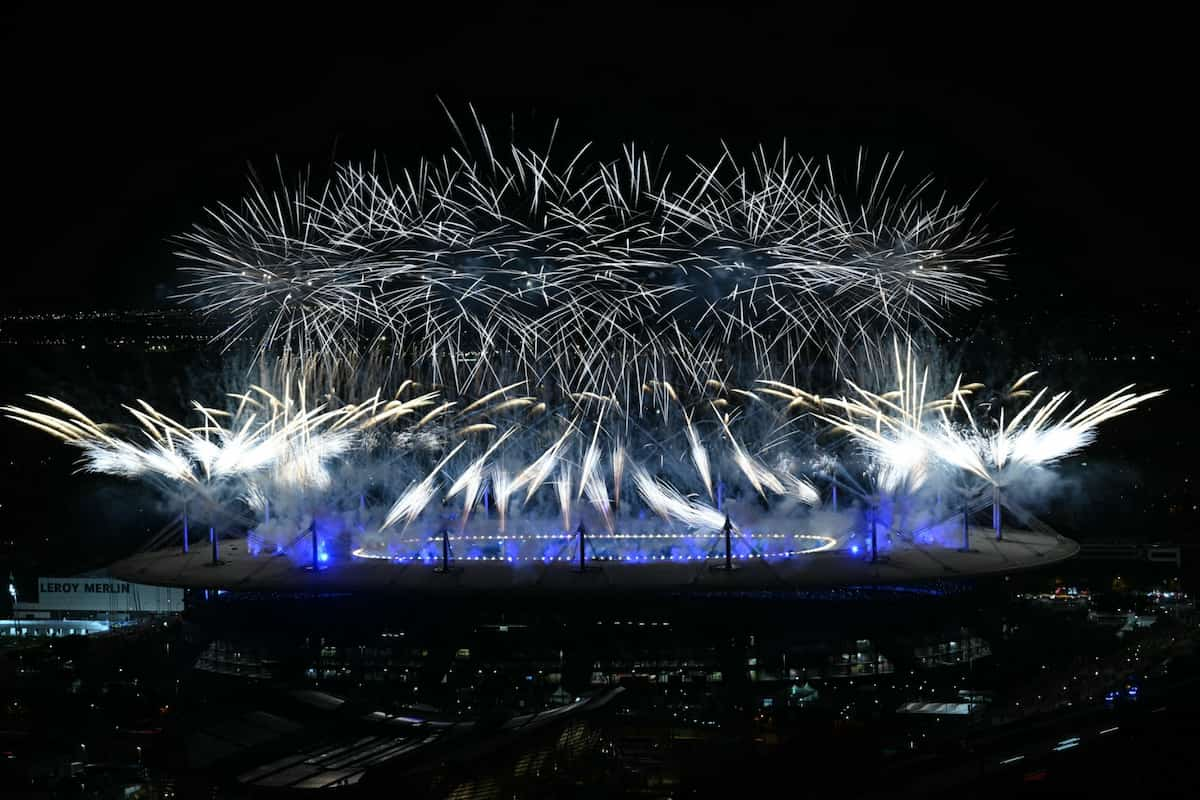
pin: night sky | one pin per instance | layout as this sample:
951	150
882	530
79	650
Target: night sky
121	127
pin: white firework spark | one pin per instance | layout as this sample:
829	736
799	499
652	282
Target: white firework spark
598	271
502	490
894	427
699	457
668	503
907	435
418	496
1033	437
279	450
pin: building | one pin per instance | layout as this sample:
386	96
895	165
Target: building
88	604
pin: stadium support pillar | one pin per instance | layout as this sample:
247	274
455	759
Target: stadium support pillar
834	497
727	563
267	511
212	537
996	523
316	555
874	536
582	541
185	528
966	545
728	531
445	566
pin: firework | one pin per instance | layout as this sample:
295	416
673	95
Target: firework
695	457
1033	437
892	427
667	502
573	325
905	435
598	272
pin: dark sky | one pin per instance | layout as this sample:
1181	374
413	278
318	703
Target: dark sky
120	127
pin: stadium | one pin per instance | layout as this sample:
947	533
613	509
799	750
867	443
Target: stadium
240	570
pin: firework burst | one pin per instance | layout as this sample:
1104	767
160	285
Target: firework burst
595	273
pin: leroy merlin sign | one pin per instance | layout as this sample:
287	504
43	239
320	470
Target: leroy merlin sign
59	586
102	594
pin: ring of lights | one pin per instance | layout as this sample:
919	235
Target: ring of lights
620	547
